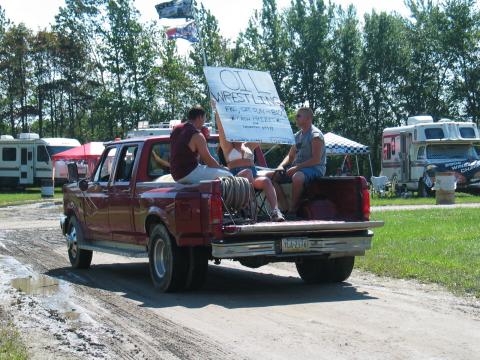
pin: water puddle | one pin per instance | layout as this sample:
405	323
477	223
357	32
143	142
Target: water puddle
72	315
36	285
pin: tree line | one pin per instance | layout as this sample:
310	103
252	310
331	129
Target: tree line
97	70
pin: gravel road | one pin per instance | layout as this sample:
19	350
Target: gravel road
111	311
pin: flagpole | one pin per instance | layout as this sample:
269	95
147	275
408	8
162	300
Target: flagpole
198	25
200	32
204	53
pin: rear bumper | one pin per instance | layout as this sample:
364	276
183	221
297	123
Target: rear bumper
333	246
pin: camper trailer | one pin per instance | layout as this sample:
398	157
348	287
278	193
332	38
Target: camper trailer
27	159
413	153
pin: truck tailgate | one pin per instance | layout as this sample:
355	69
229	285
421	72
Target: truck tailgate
299	227
295	238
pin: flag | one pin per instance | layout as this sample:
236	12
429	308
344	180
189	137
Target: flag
175	9
187	31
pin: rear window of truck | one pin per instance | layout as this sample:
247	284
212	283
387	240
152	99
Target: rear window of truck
159	158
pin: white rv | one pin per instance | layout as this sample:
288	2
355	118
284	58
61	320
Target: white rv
410	152
27	160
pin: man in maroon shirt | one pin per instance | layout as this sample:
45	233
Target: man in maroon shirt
188	144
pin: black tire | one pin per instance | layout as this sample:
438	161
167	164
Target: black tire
79	258
168	263
197	267
318	271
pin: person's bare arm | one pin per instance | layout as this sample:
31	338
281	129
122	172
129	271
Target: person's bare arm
200	145
224	143
317	145
288	159
159	160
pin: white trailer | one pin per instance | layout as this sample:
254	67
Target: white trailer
412	150
27	159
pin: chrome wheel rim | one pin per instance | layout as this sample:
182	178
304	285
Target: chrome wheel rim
160	258
73	248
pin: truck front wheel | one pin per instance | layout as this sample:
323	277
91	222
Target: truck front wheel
79	258
317	271
168	263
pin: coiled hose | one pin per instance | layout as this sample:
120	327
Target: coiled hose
238	194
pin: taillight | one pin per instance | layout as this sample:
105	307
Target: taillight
365	199
216	213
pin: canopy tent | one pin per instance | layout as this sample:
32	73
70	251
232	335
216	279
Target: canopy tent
338	145
86	155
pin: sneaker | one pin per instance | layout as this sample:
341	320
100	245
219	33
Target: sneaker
277	215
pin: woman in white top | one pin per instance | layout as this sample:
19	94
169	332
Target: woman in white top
240	161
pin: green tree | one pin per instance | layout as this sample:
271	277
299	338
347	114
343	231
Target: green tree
3	79
382	77
263	45
214	49
345	108
15	72
462	46
309	53
429	68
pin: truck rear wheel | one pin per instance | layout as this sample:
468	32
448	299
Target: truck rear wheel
317	271
197	267
79	258
168	263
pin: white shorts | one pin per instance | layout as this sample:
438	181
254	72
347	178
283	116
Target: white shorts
203	172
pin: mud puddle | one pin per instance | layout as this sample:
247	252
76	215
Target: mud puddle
36	285
44	309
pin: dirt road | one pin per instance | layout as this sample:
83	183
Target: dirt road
112	310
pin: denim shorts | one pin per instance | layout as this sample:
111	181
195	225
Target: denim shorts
310	174
236	170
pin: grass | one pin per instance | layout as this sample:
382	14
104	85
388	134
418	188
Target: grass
11	345
28	195
440	246
459	199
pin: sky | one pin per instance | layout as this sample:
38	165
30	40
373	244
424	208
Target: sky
232	15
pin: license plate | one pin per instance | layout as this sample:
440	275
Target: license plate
295	245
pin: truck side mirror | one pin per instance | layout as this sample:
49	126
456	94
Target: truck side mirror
83	184
72	172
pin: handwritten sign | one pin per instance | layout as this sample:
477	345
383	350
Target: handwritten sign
249	106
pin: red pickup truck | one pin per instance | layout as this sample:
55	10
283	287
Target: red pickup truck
132	207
